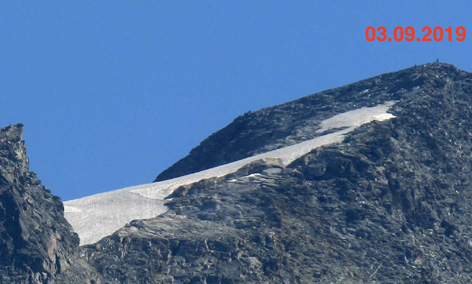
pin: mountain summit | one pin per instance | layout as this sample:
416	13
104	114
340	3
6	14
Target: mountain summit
366	183
279	126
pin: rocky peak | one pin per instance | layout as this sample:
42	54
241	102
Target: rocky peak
13	148
36	242
293	122
12	133
390	203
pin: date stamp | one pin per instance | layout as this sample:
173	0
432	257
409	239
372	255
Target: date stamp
410	34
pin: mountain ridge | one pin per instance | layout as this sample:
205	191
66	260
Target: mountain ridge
99	215
389	203
271	128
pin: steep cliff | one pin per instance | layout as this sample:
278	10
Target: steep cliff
36	242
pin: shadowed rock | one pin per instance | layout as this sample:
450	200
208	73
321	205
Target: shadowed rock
36	242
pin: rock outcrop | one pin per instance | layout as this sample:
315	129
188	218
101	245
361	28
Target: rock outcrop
36	242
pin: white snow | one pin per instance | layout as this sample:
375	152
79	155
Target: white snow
357	117
97	216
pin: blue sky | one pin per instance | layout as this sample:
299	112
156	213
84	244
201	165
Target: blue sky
113	92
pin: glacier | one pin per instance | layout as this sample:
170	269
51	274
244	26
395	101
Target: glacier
97	216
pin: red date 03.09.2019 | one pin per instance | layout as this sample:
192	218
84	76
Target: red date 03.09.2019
409	34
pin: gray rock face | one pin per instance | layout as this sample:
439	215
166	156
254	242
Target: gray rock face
390	204
36	242
293	122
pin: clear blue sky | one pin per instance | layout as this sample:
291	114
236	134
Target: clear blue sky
113	92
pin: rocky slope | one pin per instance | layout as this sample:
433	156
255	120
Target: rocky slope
389	204
36	242
296	121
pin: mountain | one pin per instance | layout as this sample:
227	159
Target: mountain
293	122
94	217
36	242
366	183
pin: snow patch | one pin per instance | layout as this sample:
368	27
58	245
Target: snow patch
357	117
97	216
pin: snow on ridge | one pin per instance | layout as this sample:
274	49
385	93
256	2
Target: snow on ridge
159	190
357	117
97	216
